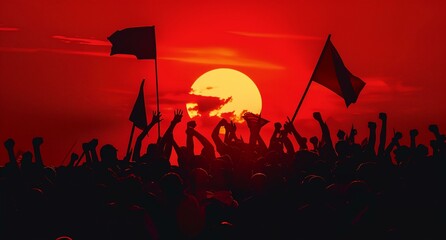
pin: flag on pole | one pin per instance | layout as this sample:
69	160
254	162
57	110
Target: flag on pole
138	115
138	41
331	73
253	119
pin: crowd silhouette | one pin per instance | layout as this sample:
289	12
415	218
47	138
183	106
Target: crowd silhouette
232	189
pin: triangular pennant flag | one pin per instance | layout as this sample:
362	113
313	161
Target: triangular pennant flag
138	115
253	119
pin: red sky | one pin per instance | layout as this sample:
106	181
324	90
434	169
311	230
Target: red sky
58	81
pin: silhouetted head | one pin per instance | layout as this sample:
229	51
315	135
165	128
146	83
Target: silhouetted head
108	153
153	150
258	183
314	140
422	150
402	154
199	179
27	158
314	187
341	135
171	184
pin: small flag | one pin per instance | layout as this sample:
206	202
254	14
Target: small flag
331	73
253	119
138	41
138	115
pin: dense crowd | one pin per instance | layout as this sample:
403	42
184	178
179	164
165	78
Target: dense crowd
319	189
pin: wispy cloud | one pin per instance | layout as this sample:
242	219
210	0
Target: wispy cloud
217	56
8	29
61	51
277	35
82	41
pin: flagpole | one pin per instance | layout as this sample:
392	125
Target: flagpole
130	140
309	83
157	96
156	86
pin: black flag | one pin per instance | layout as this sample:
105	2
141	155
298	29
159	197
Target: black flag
138	41
138	115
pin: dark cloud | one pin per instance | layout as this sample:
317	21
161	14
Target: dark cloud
206	104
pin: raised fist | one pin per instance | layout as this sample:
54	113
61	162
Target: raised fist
413	133
86	147
317	116
382	116
93	143
434	128
37	141
74	157
190	131
372	125
191	124
398	136
9	144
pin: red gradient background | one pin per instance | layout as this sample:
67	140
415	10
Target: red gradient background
58	81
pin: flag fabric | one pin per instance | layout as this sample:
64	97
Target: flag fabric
331	73
253	119
138	115
138	41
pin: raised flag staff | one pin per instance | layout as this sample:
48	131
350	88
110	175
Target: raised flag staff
331	73
138	116
141	42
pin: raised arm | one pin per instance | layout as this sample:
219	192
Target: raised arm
325	131
216	136
207	145
394	143
190	137
353	133
275	137
9	145
37	142
438	145
289	127
156	117
315	142
86	149
382	135
372	138
167	140
287	142
73	159
413	135
231	132
254	137
94	154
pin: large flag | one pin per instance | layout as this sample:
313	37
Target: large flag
138	41
331	73
138	115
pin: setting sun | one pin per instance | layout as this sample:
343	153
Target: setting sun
231	92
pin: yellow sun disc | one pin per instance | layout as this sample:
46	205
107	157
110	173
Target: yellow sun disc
226	84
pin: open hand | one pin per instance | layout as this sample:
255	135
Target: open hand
178	115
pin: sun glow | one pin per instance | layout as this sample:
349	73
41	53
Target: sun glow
232	94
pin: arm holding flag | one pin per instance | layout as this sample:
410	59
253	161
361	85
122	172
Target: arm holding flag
331	73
